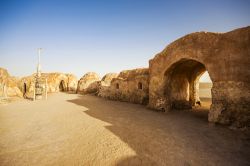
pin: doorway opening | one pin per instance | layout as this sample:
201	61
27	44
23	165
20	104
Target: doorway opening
62	87
117	86
205	86
182	82
24	89
140	86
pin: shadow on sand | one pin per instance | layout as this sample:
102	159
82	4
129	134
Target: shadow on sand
174	138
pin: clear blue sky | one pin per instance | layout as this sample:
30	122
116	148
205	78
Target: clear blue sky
105	35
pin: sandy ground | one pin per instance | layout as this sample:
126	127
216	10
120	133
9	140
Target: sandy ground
70	129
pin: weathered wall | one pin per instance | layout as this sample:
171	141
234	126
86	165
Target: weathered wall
104	89
225	56
69	82
72	83
10	84
54	80
171	82
89	83
124	87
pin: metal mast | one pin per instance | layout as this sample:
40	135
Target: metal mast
38	87
39	62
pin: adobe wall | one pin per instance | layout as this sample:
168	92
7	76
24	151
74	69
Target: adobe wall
8	85
53	82
89	83
226	57
124	87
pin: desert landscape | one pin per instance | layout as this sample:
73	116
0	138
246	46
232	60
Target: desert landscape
55	119
110	83
72	129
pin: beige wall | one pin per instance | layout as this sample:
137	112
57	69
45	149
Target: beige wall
128	87
226	57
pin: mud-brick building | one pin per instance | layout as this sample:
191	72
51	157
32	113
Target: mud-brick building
129	85
172	80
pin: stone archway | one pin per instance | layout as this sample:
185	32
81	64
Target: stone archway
204	86
62	86
226	58
182	83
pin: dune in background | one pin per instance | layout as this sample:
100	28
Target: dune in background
205	89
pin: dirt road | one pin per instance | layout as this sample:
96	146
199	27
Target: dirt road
70	129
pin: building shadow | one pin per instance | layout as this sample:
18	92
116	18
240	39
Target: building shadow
173	138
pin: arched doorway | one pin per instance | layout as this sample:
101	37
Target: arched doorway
24	89
180	64
182	84
140	86
117	86
205	87
62	86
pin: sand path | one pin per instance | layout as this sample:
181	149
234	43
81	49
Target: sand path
70	129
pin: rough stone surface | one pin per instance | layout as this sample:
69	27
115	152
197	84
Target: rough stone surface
174	74
125	87
171	81
106	80
10	83
72	83
68	82
55	82
89	83
104	89
226	56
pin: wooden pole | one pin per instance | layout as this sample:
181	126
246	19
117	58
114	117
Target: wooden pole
34	93
46	91
4	91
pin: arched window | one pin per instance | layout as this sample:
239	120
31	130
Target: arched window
139	85
117	86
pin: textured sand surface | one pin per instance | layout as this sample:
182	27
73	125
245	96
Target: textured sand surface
70	129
